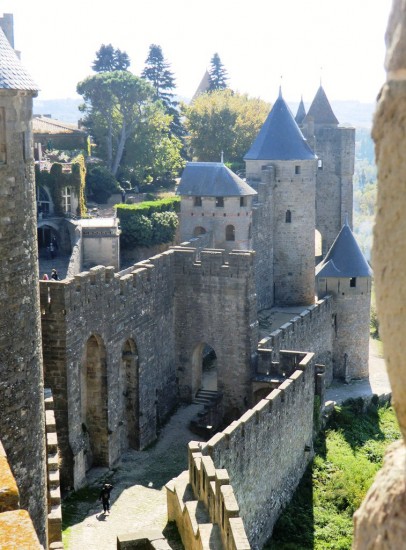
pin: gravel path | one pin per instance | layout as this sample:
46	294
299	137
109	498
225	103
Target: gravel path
138	497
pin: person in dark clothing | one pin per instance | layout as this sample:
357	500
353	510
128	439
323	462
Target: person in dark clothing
105	496
54	275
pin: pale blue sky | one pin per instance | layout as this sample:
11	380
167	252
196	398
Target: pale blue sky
257	40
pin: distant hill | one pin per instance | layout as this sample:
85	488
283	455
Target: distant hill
351	112
348	112
61	109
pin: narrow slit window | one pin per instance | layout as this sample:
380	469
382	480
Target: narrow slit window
3	149
353	282
220	202
297	169
288	216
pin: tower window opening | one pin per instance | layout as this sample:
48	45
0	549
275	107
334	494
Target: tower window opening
353	282
320	164
230	233
197	201
288	216
220	202
67	198
243	201
297	169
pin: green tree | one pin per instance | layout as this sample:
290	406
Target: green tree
153	153
100	183
223	121
217	74
157	72
116	104
110	59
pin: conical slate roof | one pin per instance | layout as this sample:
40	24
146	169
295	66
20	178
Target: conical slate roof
344	259
203	86
13	76
212	179
320	109
280	137
301	112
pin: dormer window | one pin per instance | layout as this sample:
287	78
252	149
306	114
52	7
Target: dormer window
197	201
297	169
220	202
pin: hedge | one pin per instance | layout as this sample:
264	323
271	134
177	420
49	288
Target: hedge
148	223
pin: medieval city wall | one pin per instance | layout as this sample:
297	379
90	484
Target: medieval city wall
100	319
215	304
267	450
312	330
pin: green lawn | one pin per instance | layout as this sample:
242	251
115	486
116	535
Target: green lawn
348	455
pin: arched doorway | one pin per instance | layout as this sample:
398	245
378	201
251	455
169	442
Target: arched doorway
129	389
198	231
94	403
204	368
47	232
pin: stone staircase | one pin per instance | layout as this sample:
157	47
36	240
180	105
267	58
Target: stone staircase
54	491
206	397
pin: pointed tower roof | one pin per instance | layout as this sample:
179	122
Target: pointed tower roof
212	179
13	76
280	137
301	112
344	259
320	109
203	86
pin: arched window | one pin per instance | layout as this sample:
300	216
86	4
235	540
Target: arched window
198	231
230	233
288	216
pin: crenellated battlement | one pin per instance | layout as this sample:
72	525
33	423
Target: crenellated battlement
214	262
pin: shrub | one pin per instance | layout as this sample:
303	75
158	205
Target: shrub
148	223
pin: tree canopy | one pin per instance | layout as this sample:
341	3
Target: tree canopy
217	74
128	126
223	121
158	73
110	59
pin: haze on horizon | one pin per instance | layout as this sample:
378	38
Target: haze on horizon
339	42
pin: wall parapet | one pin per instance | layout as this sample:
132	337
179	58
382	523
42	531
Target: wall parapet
205	487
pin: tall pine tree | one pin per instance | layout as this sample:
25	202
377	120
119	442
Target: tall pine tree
157	72
217	73
110	59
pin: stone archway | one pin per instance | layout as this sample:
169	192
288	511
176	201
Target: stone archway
94	403
204	368
129	389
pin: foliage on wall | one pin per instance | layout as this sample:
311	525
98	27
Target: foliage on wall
56	180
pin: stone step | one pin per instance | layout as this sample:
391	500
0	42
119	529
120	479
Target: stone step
55	496
50	421
53	461
52	442
53	478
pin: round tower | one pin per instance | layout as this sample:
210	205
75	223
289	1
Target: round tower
281	145
217	203
345	274
22	418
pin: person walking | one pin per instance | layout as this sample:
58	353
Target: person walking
105	497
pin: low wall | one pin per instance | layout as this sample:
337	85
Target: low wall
267	450
311	331
202	503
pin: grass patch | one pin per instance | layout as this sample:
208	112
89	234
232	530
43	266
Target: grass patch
348	454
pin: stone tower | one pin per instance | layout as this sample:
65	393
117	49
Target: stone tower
335	149
215	201
345	274
22	422
281	149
